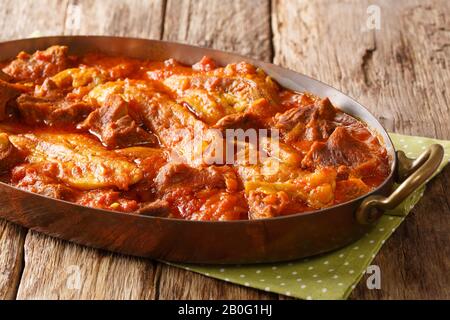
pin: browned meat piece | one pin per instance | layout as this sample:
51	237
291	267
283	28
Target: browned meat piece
205	64
52	190
7	93
201	193
342	173
49	90
39	65
235	121
313	122
41	178
157	208
263	206
114	125
9	154
34	110
340	149
179	174
290	99
108	199
4	76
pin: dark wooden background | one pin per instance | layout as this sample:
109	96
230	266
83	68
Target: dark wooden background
399	71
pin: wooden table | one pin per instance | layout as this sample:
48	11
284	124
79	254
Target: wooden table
400	71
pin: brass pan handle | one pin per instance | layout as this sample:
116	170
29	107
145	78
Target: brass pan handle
412	173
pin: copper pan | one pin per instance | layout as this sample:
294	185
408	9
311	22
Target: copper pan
268	240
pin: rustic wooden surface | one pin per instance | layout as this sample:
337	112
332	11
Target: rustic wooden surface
400	72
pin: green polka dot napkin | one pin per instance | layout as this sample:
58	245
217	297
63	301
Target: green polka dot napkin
333	275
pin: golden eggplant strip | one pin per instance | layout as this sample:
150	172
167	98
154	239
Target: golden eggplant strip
79	77
222	92
82	162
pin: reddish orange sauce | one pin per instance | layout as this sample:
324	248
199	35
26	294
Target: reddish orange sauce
116	133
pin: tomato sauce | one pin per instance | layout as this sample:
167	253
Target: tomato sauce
117	133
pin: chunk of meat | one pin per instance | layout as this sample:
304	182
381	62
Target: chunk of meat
49	90
9	154
8	92
114	125
39	65
149	161
234	121
340	149
291	99
41	178
180	174
205	64
60	112
312	122
210	193
107	199
207	205
253	117
5	77
157	208
263	205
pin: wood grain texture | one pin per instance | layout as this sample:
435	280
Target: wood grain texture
11	236
11	258
400	73
56	269
16	18
237	26
131	18
175	283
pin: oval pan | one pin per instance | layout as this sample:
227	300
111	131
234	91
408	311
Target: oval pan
267	240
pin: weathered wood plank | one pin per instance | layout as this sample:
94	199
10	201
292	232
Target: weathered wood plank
131	18
176	284
238	26
400	73
11	258
51	266
56	269
109	17
16	18
11	236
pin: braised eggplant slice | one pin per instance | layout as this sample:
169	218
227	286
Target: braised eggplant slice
81	161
